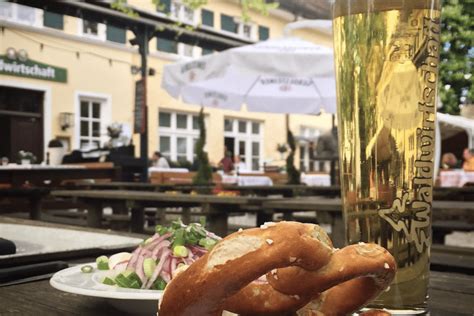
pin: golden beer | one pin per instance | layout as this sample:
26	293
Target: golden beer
387	57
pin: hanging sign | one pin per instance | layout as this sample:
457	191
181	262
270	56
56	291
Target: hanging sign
140	107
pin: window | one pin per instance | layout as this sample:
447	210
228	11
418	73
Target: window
246	30
188	50
303	158
165	146
166	45
228	24
90	123
207	51
92	29
207	17
308	140
178	135
53	20
247	141
164	6
233	25
20	14
255	155
183	13
263	33
116	34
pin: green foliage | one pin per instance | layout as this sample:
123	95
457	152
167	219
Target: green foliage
457	54
293	173
261	6
204	172
194	4
121	5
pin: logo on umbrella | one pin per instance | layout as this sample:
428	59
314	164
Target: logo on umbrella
285	87
192	76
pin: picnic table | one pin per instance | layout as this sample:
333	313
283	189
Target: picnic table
53	176
216	208
455	177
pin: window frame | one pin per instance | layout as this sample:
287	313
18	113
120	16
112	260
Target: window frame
15	9
90	138
174	133
248	138
101	31
181	14
105	113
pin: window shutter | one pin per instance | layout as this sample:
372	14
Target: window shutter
116	34
165	6
207	17
263	33
228	24
53	20
166	45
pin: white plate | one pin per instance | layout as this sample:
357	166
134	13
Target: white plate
34	240
72	280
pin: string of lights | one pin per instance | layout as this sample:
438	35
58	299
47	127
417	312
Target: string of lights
77	52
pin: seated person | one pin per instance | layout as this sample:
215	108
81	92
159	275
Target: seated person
449	161
226	163
468	156
159	161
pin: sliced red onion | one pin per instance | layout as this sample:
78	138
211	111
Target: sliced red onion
213	236
134	258
120	267
158	268
139	269
145	253
173	264
166	277
159	248
156	241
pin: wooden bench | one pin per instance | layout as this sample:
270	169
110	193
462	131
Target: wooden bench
178	177
216	208
450	258
11	198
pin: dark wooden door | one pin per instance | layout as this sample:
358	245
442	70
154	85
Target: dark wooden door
26	134
21	122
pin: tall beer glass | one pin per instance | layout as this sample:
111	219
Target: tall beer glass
387	55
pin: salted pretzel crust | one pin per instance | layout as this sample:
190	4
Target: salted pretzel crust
305	275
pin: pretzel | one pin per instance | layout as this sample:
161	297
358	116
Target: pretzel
304	275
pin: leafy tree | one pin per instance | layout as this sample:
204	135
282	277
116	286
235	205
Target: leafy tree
204	172
293	173
457	54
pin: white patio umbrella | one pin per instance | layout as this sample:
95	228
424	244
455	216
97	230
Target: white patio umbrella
286	75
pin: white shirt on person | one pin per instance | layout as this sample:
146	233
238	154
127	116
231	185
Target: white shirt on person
162	163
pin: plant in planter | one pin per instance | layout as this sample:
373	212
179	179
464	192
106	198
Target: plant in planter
204	171
26	157
293	173
282	149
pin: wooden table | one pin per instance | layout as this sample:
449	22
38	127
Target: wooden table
450	294
216	208
137	186
53	176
